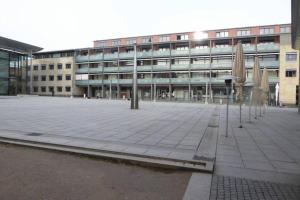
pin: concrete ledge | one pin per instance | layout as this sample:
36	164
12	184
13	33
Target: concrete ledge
198	187
204	166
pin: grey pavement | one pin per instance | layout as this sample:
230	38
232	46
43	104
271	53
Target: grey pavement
266	149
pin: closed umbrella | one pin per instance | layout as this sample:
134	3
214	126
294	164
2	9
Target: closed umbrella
239	71
265	87
256	84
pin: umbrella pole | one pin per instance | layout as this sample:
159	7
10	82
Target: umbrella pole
241	96
250	103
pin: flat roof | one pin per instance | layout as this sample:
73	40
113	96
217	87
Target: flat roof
295	24
16	46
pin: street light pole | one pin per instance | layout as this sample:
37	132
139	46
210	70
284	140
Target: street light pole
135	103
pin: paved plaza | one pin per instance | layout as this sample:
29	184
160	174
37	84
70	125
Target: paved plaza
266	149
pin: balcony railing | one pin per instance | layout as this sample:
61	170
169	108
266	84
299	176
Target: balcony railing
161	67
180	80
110	56
110	69
96	57
221	50
82	70
126	55
268	47
200	51
200	66
180	67
96	70
80	58
144	68
165	53
180	52
126	69
222	65
144	54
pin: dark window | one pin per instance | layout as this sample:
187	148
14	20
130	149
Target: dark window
68	66
43	89
43	78
35	67
59	66
51	78
59	77
68	77
51	67
68	89
290	73
51	88
291	56
59	89
43	67
35	78
35	89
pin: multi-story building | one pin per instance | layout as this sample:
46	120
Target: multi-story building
176	66
289	71
15	58
53	73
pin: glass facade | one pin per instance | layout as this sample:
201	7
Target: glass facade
13	77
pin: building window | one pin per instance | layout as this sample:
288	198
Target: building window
243	32
68	66
43	78
115	42
51	78
222	34
43	89
51	67
35	78
285	29
59	77
131	41
290	73
68	77
164	38
43	67
35	89
59	89
264	31
35	67
68	89
183	37
291	56
146	39
51	89
59	66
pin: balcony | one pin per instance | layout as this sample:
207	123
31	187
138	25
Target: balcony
96	57
110	69
248	49
111	56
180	80
161	80
111	81
270	64
82	70
96	70
161	67
125	81
221	50
199	80
144	68
204	51
144	54
220	65
200	66
180	52
165	53
81	82
80	59
268	48
145	81
180	67
126	69
126	55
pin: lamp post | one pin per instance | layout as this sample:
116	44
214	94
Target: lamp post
134	99
228	85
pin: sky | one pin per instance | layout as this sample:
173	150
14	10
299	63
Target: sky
67	24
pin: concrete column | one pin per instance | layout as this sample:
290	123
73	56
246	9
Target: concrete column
135	103
30	73
170	92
